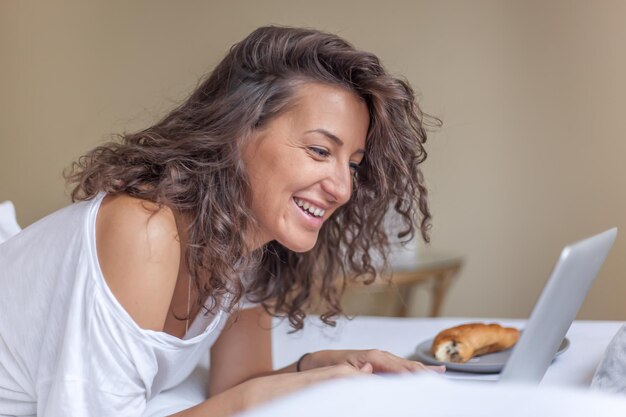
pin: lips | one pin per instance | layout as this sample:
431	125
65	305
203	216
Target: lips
309	208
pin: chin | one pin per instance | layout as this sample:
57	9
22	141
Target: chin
299	246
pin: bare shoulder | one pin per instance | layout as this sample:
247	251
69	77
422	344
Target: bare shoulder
139	253
125	214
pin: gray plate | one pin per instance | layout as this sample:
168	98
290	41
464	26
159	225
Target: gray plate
491	363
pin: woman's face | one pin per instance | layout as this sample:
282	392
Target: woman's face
301	164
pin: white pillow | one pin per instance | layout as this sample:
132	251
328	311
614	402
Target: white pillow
8	222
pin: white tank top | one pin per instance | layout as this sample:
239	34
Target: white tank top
67	347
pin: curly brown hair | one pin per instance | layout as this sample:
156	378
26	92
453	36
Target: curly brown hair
191	162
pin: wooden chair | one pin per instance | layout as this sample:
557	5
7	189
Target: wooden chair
434	268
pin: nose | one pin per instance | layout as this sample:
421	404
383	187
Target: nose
338	184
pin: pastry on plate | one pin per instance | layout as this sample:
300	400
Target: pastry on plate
461	343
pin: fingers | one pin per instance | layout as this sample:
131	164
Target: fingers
420	367
338	371
345	369
368	361
367	368
437	369
433	369
385	362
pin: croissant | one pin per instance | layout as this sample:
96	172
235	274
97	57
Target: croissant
461	343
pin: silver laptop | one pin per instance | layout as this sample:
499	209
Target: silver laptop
556	309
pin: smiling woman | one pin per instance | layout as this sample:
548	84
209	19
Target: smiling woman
268	182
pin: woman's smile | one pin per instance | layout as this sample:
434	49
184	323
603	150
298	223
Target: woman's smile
312	214
309	207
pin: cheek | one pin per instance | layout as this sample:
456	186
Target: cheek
268	190
275	174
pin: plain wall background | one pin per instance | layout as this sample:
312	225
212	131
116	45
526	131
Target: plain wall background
532	95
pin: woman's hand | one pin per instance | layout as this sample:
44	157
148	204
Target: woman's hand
259	390
381	361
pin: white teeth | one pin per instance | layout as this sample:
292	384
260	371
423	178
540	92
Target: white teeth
314	211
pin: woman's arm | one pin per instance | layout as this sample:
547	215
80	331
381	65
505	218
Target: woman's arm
243	350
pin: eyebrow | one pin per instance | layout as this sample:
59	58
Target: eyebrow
333	137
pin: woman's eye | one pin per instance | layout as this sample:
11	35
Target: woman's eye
354	167
319	151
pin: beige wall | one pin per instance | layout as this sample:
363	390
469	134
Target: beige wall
532	94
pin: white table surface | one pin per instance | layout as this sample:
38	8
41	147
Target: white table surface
575	367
